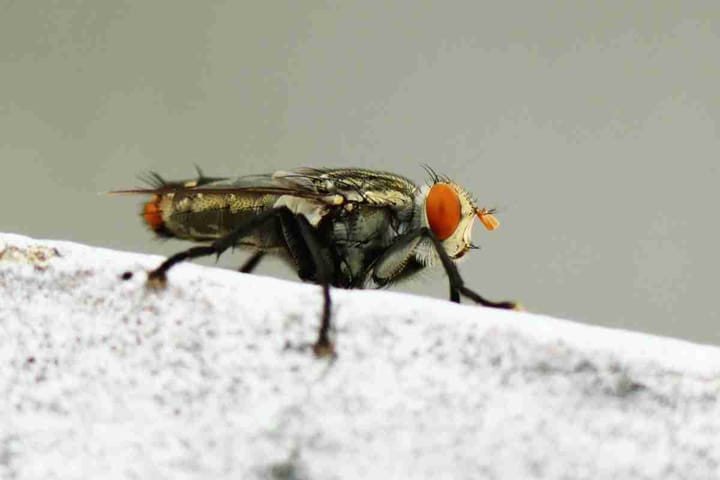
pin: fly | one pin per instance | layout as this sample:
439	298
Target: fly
345	227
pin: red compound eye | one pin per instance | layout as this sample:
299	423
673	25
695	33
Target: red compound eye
443	210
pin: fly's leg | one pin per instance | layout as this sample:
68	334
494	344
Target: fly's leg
306	241
312	260
252	262
457	285
396	258
454	294
323	272
158	277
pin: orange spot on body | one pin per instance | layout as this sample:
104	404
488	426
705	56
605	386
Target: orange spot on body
443	210
153	214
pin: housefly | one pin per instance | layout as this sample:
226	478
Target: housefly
344	227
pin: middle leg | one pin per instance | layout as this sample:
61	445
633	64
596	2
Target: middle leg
324	268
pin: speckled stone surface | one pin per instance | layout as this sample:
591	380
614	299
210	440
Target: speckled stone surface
212	378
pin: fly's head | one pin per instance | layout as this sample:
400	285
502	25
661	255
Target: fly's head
450	212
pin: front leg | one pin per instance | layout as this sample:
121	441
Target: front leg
457	285
399	257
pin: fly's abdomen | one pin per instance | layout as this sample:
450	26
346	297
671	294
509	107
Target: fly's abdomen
153	216
208	216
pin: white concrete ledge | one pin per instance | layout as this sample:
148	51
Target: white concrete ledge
102	379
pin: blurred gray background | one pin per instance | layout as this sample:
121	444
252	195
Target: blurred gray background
593	126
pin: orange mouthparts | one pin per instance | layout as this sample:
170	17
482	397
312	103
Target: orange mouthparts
487	219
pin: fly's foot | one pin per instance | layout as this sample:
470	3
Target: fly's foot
157	280
455	296
324	348
506	305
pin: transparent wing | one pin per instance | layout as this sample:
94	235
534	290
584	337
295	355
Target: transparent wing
352	184
326	185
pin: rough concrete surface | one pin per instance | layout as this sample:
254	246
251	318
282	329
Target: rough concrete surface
212	378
